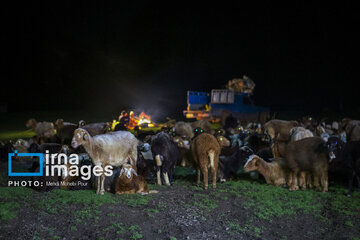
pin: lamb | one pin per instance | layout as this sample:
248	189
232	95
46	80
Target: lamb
65	130
206	150
43	130
279	128
203	124
298	133
231	164
184	130
95	128
166	154
274	172
129	182
308	155
113	149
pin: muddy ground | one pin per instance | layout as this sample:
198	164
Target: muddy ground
239	209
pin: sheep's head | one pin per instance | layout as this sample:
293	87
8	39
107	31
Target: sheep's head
81	123
59	122
223	141
219	131
21	142
334	145
127	171
198	131
81	136
246	152
31	123
181	142
252	163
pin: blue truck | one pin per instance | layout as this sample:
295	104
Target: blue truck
211	106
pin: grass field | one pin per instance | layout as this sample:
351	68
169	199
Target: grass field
238	209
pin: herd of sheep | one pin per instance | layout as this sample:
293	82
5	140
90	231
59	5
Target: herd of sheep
292	154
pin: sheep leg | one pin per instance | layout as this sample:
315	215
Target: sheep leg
289	180
98	185
166	178
294	184
158	176
302	180
316	181
102	189
309	183
214	170
206	177
133	158
198	177
350	186
324	181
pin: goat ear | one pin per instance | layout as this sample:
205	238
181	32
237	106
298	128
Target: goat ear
134	172
121	172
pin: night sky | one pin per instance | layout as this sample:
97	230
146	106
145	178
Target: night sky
146	55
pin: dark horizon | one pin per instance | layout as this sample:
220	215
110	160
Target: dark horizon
102	56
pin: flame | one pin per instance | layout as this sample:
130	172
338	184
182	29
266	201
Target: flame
139	120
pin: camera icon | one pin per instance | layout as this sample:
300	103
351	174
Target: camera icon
27	174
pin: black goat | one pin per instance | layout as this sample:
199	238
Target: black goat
165	153
231	164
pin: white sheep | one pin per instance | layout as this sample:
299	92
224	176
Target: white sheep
297	133
114	148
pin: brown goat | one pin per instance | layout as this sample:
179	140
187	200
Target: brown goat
129	182
206	150
308	155
304	178
274	172
279	128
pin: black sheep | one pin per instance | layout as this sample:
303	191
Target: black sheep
165	153
231	164
256	141
266	154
